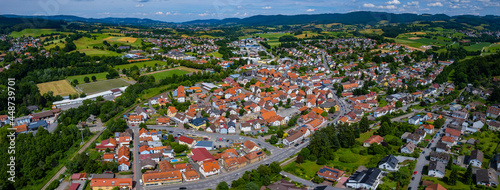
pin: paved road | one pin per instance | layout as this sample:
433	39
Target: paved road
136	164
63	169
422	160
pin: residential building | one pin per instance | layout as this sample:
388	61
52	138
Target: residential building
389	163
108	184
437	169
209	168
155	178
365	179
476	158
408	148
329	173
487	177
373	139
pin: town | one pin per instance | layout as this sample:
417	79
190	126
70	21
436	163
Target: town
136	109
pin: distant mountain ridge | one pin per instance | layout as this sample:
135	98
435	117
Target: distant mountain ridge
360	17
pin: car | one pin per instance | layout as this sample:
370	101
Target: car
415	173
182	188
432	141
220	146
170	131
140	181
412	178
302	142
423	152
296	145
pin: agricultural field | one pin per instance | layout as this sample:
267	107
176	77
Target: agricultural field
370	31
100	86
161	75
61	87
273	38
308	33
33	32
217	54
417	42
140	64
99	76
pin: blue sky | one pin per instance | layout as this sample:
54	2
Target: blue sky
185	10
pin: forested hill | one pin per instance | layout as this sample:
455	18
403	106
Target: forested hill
361	17
478	71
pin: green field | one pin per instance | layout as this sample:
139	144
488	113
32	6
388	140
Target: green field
165	74
215	54
272	37
140	64
32	32
100	86
477	47
85	45
417	43
99	76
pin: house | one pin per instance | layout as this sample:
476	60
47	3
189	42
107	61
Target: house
415	120
204	144
284	185
295	136
171	111
148	163
181	94
35	125
494	125
183	140
442	147
448	141
190	175
493	111
373	139
365	179
135	119
439	156
163	121
329	173
437	169
255	156
453	133
198	123
429	129
408	148
389	163
245	127
476	158
249	146
435	186
487	177
155	178
209	168
110	183
201	155
106	144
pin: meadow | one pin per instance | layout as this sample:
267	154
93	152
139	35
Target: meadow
99	76
100	86
61	87
161	75
140	64
33	32
86	45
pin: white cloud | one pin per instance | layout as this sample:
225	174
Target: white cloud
203	14
159	13
269	7
168	13
310	10
140	5
368	5
387	7
393	2
456	1
436	4
413	3
454	6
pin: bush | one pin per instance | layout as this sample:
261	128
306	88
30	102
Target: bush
53	185
321	161
348	158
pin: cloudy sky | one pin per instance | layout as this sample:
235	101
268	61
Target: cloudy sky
185	10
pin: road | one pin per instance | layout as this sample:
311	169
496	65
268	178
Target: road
422	159
63	169
136	164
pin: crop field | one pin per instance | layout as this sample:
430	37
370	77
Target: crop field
100	86
417	43
99	76
33	32
308	33
370	31
273	37
61	87
121	39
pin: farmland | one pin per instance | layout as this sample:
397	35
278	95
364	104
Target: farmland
99	76
100	86
273	38
477	47
140	64
61	87
86	45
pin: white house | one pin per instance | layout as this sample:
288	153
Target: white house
437	169
389	163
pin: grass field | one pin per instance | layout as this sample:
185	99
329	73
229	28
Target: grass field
100	86
370	31
309	34
215	54
61	87
86	45
273	37
33	32
417	43
99	76
140	64
477	47
161	75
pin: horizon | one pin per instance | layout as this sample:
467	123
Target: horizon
169	11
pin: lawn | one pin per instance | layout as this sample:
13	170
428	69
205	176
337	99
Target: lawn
99	76
100	86
442	181
420	42
165	74
215	54
365	136
488	141
33	32
98	52
140	64
61	87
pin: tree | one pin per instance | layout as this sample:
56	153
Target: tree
273	139
251	186
399	104
468	175
331	110
448	166
452	179
324	114
242	112
280	133
94	78
300	159
385	129
321	161
364	124
86	79
222	186
275	167
438	123
318	179
143	125
75	82
305	153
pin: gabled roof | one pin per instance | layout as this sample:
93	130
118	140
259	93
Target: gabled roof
438	166
374	139
186	139
201	154
391	160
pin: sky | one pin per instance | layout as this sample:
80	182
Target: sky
186	10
